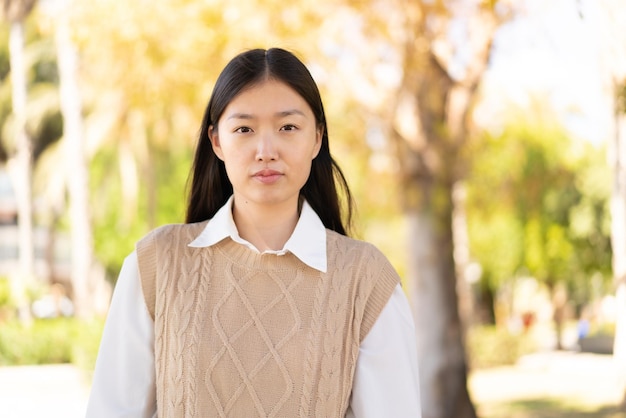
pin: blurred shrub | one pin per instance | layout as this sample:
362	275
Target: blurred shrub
602	328
5	292
7	307
46	341
86	338
490	346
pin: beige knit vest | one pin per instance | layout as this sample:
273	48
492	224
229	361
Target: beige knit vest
241	334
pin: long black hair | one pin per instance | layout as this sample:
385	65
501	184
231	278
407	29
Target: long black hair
210	186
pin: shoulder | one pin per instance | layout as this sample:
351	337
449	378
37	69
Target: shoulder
363	256
172	231
374	276
162	240
342	244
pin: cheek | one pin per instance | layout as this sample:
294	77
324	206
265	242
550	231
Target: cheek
231	163
230	154
306	171
236	163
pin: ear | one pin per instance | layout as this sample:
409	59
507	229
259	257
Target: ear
319	134
215	142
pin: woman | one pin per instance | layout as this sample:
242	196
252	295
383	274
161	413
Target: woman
260	305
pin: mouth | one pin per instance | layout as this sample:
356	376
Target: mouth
267	176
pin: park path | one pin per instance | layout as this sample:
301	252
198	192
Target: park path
51	391
61	391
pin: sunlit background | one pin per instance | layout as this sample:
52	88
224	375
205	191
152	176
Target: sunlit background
484	141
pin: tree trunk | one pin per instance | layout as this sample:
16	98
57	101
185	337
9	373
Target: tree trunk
486	310
77	174
431	127
462	258
20	169
443	367
430	168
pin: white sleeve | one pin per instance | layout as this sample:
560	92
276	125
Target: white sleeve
124	378
386	377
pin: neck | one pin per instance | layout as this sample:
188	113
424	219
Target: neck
267	227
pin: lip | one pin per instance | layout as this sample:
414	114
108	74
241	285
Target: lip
267	176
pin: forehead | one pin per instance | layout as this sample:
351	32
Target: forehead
267	95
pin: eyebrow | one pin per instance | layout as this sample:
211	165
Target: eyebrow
290	112
280	114
240	116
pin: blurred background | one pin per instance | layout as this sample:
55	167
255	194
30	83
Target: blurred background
485	143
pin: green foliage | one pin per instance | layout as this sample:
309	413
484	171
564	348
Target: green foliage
37	344
172	172
119	223
115	222
604	328
61	340
44	124
538	205
86	336
498	235
490	346
5	292
7	305
5	66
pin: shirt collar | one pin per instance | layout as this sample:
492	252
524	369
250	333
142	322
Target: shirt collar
307	242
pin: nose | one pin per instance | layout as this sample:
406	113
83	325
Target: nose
266	148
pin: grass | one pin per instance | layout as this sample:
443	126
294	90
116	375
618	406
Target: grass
547	408
549	385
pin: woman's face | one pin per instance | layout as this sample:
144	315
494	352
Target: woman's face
267	138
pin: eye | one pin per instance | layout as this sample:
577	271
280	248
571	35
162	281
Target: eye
289	127
243	130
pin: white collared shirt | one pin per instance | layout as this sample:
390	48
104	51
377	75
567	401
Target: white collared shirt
386	377
307	242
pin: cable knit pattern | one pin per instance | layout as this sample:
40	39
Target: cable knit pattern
242	334
158	259
310	375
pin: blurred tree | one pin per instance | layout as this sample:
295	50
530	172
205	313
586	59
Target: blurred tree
44	126
538	206
143	94
20	163
76	172
445	52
